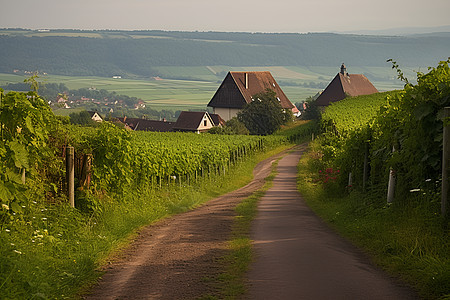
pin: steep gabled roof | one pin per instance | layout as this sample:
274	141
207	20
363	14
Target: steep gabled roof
191	120
344	85
238	88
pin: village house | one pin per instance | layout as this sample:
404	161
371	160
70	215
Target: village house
147	125
189	121
95	116
345	85
194	121
238	88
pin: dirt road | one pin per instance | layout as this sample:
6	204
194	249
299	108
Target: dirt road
299	257
174	258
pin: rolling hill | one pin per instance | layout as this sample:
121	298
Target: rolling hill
143	53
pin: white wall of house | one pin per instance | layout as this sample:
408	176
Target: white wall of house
205	124
96	118
226	113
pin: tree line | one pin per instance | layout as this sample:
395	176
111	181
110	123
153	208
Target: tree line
131	56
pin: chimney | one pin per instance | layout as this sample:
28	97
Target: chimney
344	70
246	81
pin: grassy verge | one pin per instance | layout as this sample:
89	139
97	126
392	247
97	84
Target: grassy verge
406	240
237	262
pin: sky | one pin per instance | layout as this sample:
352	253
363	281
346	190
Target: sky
232	15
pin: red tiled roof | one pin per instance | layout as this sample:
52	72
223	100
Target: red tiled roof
238	88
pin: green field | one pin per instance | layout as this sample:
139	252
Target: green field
181	88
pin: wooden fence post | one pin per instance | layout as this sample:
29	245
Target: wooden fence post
70	174
445	162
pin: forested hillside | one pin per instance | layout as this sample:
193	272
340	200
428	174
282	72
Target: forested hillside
136	53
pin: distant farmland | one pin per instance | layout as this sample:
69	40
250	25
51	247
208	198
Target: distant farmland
180	88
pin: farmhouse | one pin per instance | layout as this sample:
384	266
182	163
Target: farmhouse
194	121
345	85
238	88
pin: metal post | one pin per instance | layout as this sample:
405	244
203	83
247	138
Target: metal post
445	162
23	176
70	174
350	180
391	184
366	166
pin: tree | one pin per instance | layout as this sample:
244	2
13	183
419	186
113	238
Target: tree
81	118
311	111
264	115
232	126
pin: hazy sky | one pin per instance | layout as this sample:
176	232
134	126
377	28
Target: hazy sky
225	15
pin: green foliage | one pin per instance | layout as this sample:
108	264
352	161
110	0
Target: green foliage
300	131
232	126
264	115
401	130
81	118
412	123
26	124
312	111
352	113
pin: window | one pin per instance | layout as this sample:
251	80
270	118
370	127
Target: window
204	123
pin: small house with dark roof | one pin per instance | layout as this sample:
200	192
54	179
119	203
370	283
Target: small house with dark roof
147	125
238	88
345	85
194	121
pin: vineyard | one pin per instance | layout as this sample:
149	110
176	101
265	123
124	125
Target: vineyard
48	249
378	163
353	113
370	127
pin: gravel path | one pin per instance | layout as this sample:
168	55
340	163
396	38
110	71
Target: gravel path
173	258
299	257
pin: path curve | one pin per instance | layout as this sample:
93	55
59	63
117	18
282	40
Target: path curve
299	257
173	258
